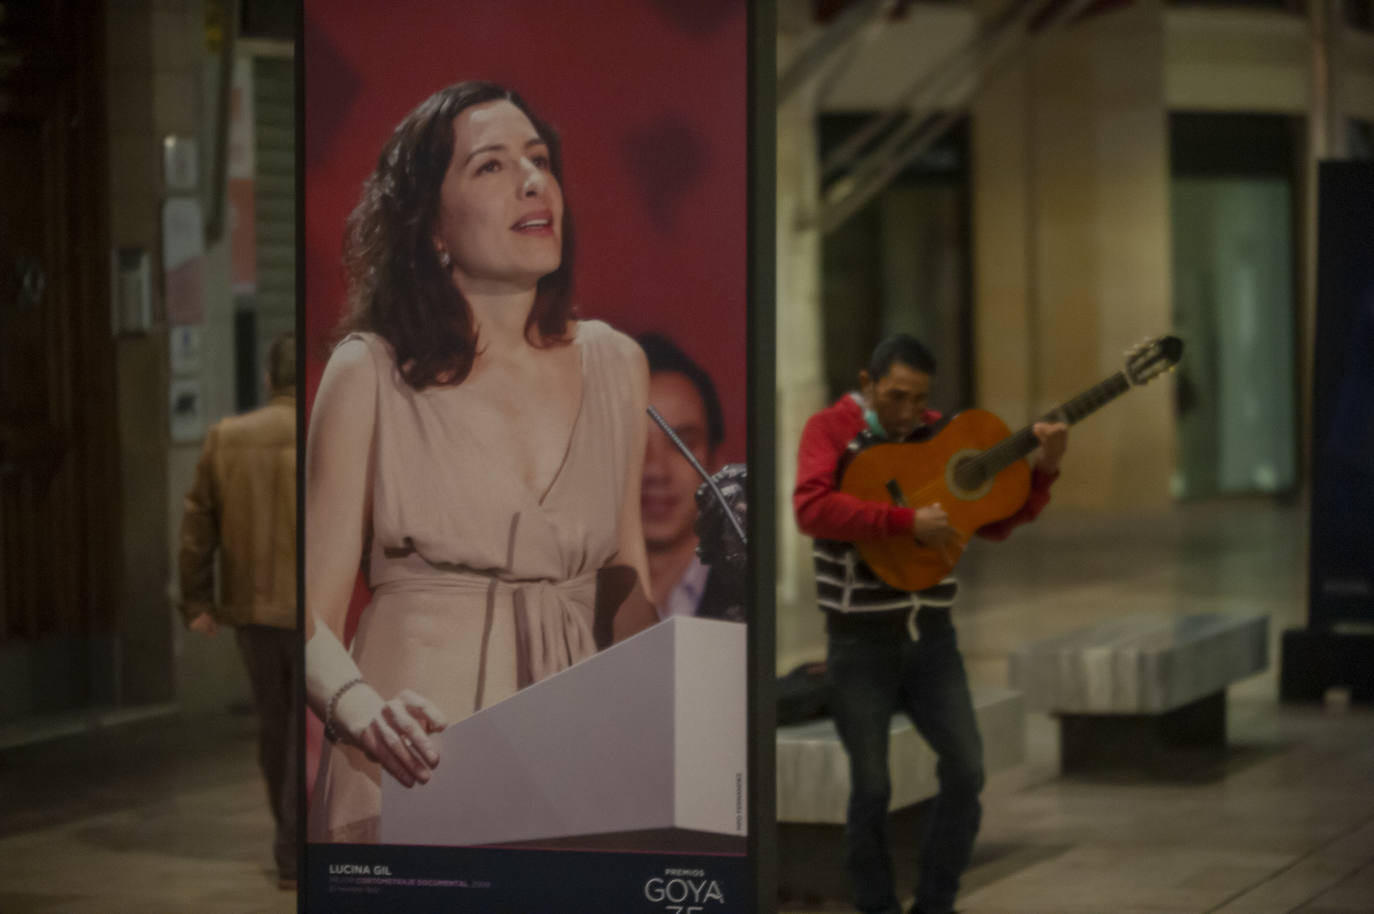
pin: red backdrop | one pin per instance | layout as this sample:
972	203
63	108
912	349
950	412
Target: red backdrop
649	97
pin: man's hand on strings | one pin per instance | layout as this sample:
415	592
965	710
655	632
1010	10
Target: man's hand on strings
932	530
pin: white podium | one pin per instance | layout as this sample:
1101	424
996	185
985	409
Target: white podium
649	735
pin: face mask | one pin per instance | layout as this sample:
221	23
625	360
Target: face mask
874	426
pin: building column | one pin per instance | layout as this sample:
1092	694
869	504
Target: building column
799	376
1071	246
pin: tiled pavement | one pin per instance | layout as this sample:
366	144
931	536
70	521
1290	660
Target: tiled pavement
168	814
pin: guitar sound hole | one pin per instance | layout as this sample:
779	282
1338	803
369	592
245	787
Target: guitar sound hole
968	475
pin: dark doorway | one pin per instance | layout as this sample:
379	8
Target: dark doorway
57	489
902	263
1233	217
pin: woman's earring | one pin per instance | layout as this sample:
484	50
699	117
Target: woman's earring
445	261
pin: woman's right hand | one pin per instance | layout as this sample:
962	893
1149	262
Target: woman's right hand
395	733
339	465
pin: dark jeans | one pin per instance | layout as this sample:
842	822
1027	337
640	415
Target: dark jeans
875	670
269	654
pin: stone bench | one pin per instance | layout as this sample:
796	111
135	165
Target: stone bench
813	770
1132	692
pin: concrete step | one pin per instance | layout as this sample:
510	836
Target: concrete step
813	771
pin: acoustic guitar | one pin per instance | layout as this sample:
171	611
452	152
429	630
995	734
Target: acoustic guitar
973	467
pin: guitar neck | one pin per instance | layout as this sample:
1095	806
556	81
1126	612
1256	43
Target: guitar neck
1018	445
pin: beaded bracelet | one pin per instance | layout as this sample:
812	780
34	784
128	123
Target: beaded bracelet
329	732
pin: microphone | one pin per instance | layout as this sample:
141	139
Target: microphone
696	465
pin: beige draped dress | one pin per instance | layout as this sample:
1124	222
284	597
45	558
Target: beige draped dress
479	585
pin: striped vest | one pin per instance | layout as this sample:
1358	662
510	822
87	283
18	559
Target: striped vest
845	583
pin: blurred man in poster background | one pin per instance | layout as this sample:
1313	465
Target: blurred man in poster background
681	584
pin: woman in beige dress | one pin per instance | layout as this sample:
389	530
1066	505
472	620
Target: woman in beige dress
478	447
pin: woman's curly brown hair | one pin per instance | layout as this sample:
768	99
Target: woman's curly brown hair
397	287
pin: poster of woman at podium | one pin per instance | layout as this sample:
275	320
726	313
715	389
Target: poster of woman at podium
496	694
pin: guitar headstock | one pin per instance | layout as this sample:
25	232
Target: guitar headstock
1148	359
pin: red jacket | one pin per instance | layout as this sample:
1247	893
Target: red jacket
824	512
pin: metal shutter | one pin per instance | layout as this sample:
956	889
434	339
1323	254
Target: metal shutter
274	122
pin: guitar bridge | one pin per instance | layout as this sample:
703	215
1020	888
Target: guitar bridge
894	491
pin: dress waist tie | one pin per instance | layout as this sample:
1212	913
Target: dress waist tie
553	619
553	626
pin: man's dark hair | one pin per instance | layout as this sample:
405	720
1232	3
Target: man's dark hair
281	363
665	355
900	347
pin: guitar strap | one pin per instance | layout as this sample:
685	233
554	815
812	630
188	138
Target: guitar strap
862	441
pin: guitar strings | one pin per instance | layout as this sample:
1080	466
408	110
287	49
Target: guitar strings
1015	446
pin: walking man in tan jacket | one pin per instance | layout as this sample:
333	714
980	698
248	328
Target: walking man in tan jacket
242	507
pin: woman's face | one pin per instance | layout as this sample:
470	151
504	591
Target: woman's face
500	206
